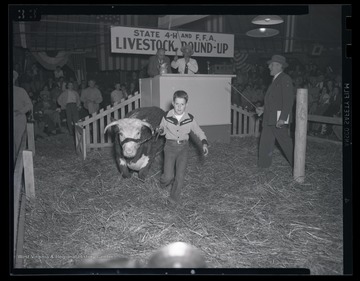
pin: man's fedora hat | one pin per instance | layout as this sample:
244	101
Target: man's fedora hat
279	59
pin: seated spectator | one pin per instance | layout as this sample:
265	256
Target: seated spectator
46	115
124	90
58	72
248	91
116	95
313	95
50	83
134	79
55	93
61	83
332	110
36	81
75	83
26	80
337	129
322	107
45	91
133	88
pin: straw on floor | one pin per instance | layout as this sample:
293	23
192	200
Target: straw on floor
238	216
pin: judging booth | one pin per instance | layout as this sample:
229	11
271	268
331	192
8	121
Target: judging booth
209	95
209	99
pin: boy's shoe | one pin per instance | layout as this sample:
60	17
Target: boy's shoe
171	201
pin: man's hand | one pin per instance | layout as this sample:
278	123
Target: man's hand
205	149
259	110
280	123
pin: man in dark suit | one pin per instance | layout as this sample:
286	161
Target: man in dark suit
157	62
278	104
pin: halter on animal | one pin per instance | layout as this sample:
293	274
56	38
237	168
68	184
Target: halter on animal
136	140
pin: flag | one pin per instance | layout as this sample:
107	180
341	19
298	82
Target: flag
77	64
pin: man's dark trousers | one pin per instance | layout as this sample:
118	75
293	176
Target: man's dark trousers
267	142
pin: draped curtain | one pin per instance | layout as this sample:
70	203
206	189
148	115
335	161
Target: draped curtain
51	63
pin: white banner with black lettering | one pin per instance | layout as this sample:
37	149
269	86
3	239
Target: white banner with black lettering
132	40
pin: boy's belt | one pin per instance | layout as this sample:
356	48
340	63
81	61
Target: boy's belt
178	141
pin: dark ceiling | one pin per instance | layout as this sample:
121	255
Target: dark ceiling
322	25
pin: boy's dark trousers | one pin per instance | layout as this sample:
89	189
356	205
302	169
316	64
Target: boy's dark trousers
175	160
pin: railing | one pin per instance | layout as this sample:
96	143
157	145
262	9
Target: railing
327	120
89	132
244	123
24	189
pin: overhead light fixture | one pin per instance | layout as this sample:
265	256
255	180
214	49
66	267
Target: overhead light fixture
267	20
262	32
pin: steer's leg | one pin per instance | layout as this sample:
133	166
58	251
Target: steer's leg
144	171
124	170
148	150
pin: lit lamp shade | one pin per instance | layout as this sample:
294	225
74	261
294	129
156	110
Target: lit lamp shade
262	32
267	20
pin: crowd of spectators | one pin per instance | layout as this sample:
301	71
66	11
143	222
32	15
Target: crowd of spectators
324	93
59	100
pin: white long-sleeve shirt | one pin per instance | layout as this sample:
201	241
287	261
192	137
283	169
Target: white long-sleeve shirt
180	65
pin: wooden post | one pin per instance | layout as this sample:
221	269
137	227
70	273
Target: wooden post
84	147
30	137
257	127
29	174
300	134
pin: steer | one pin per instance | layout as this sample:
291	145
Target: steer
135	142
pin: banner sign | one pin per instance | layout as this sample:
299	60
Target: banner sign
132	40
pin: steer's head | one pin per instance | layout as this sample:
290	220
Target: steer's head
129	134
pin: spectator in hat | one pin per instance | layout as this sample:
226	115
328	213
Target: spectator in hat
278	104
185	65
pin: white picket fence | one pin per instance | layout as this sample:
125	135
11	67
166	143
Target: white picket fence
244	123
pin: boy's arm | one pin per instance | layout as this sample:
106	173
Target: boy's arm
199	132
161	127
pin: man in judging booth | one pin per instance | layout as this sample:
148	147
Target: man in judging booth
185	65
157	62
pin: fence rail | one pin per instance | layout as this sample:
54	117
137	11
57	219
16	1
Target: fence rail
244	123
24	189
89	132
337	121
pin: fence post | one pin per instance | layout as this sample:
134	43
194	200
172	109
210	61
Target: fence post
257	126
29	174
300	134
30	136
